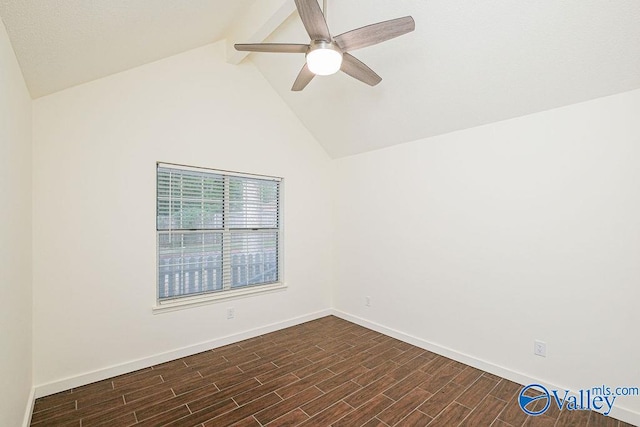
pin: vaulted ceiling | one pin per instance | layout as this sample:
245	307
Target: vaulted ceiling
468	63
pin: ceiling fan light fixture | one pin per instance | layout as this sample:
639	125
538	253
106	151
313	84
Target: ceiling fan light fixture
324	59
326	54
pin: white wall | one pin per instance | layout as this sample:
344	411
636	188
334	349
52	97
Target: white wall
95	150
483	240
15	237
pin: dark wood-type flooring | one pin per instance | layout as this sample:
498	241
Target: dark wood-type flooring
328	372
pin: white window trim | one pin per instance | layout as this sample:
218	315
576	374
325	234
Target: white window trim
204	299
185	302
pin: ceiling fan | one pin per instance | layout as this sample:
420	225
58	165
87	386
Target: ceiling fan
326	55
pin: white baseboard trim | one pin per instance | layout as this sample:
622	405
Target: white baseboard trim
621	413
29	408
112	371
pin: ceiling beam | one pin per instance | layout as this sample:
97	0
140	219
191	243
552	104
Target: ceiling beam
260	20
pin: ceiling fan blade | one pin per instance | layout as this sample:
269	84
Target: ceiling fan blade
358	70
375	33
313	19
303	79
273	47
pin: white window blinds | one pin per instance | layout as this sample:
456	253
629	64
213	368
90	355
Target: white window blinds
217	231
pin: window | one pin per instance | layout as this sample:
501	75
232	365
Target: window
219	233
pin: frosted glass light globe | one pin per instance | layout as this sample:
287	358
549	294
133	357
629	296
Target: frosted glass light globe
324	61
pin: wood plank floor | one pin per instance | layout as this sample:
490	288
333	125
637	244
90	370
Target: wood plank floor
328	372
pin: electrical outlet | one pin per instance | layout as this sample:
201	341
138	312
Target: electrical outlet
540	348
231	313
367	301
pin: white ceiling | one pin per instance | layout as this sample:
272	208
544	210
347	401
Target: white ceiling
62	43
468	62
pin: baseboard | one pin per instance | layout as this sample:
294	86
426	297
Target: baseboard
29	408
618	412
112	371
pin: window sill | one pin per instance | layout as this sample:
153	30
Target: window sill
196	301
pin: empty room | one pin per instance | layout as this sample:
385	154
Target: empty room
320	213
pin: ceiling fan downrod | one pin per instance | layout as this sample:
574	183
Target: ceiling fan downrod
324	9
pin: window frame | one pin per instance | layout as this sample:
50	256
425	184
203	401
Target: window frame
186	301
